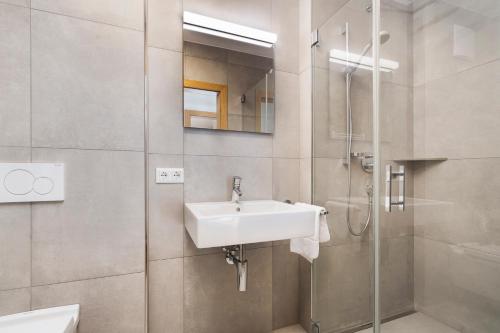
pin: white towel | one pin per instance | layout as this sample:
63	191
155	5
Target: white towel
308	247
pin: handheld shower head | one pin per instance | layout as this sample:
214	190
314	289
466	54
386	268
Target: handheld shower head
384	38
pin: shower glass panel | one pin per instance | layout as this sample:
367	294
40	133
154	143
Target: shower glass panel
342	163
440	257
438	230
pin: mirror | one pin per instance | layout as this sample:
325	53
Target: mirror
228	85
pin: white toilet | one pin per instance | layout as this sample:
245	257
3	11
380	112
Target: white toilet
62	319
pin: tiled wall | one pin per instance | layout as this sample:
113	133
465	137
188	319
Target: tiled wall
195	290
72	91
457	234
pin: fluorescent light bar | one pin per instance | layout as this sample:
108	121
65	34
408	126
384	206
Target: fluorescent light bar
353	60
224	29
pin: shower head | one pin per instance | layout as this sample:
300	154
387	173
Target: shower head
384	38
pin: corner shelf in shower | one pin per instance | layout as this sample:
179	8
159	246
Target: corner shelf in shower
421	159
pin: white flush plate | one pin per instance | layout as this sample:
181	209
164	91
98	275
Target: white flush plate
31	182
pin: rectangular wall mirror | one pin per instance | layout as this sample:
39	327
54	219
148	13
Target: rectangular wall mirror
228	84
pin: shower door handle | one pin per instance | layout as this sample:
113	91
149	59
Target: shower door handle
389	175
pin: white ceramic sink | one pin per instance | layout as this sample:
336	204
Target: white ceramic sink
62	319
214	224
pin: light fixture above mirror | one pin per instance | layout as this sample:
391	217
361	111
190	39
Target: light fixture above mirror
212	26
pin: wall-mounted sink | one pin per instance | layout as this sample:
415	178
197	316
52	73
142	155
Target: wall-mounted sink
215	224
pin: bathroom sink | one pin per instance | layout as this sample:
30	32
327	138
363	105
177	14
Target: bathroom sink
62	319
214	224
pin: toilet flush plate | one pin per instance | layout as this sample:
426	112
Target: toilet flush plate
31	182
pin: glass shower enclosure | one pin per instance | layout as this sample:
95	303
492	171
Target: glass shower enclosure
406	116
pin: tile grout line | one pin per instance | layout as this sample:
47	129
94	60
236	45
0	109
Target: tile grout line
31	151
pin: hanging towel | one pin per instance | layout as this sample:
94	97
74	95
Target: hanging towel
308	247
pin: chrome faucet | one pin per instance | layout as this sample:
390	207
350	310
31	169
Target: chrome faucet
235	197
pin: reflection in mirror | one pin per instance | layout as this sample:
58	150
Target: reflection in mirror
227	86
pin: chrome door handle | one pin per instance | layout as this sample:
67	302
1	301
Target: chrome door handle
389	175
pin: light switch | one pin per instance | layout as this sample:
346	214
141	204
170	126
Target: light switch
169	175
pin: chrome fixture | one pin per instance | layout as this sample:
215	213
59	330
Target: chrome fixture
366	158
236	195
389	175
235	255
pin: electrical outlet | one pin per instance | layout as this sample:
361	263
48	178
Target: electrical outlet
169	175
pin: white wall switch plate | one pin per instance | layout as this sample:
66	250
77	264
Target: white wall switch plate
31	182
169	175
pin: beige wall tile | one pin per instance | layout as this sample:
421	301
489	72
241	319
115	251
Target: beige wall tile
285	287
14	301
127	14
343	277
286	179
206	142
286	135
212	302
14	76
166	296
87	84
433	28
209	178
322	10
456	285
99	228
396	267
305	29
285	23
256	14
165	24
305	111
166	211
107	305
461	204
460	114
24	3
305	294
305	192
165	101
15	233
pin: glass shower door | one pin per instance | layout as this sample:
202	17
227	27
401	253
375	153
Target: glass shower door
439	221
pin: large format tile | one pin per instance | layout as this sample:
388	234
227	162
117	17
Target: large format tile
396	277
128	14
343	284
165	24
165	101
166	296
107	305
286	179
442	27
99	228
285	287
461	118
256	14
14	301
207	142
209	178
459	286
166	211
322	10
24	3
87	84
285	23
286	135
212	302
14	76
461	203
15	233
